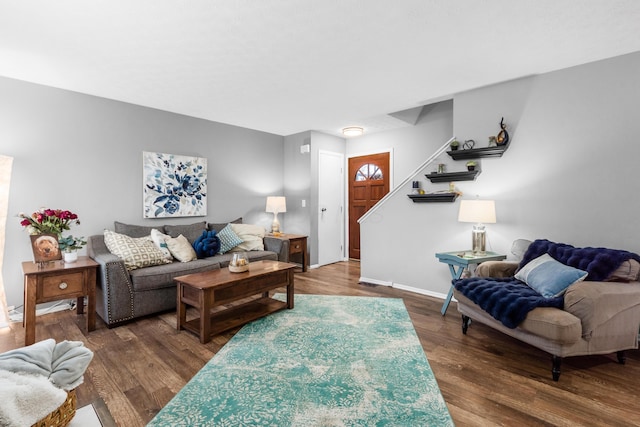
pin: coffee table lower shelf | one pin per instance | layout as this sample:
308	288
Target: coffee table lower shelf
222	320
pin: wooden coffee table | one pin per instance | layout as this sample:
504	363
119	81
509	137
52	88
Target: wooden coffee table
209	290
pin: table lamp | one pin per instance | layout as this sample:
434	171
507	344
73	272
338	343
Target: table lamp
479	212
276	204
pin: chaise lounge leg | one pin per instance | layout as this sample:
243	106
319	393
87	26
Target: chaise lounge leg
465	323
555	370
621	357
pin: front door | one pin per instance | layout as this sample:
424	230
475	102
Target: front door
368	183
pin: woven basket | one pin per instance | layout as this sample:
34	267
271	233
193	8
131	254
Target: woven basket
62	416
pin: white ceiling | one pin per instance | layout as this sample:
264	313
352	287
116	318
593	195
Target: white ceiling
287	66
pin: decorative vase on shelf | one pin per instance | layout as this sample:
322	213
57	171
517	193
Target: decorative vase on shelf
70	256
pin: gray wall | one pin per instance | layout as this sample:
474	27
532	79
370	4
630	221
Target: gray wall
567	176
297	184
83	153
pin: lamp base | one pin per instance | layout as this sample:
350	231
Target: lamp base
275	225
478	240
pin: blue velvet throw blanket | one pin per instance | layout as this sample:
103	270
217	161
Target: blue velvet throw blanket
509	300
506	299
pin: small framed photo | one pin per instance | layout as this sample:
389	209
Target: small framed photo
45	247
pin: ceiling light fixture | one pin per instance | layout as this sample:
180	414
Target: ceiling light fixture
352	131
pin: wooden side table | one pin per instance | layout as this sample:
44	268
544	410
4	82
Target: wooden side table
297	247
55	281
458	261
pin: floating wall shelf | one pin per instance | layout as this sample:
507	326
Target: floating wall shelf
433	197
453	176
476	153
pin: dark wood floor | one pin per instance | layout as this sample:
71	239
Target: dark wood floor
486	378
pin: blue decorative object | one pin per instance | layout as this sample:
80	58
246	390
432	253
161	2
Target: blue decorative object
208	244
548	276
506	299
174	185
228	239
598	262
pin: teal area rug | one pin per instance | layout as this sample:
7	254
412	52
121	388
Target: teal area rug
331	361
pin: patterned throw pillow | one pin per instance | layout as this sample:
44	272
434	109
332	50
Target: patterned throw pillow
135	252
160	241
228	239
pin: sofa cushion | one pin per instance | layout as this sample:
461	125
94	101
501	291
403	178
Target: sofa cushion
549	277
135	230
135	252
549	323
160	240
181	249
190	231
161	276
219	226
252	237
228	239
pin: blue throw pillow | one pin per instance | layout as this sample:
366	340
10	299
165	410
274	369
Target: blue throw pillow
549	277
208	244
228	239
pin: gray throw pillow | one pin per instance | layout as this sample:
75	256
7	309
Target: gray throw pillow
217	227
135	230
190	231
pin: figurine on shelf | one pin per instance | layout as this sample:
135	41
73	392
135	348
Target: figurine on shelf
503	136
492	141
468	144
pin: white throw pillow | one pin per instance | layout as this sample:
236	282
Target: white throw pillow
135	252
252	237
160	240
181	249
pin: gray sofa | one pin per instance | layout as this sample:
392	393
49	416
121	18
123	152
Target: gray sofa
123	295
599	317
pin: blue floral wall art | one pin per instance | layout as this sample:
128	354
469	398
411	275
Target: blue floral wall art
174	185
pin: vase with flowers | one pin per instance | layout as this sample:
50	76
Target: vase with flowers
69	246
45	227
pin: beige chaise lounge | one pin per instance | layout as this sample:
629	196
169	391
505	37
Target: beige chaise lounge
598	317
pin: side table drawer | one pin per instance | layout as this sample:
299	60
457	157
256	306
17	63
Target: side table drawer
295	247
61	285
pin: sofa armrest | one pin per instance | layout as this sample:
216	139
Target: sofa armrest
595	303
279	246
114	293
497	269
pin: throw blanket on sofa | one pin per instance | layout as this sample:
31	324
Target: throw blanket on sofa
510	300
598	262
506	299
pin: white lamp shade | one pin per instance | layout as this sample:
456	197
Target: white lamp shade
276	204
478	211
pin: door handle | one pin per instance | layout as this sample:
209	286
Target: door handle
323	209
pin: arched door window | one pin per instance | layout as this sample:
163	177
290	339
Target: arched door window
368	172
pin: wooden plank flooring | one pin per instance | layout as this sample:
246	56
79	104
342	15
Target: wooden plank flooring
486	378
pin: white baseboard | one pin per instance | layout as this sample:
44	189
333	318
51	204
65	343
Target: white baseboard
374	281
404	288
